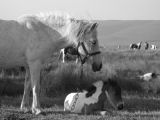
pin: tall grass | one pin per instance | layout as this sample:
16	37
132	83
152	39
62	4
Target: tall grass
130	64
124	66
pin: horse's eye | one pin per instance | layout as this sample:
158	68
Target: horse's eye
93	42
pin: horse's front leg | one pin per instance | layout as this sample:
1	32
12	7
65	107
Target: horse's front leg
35	68
27	88
77	59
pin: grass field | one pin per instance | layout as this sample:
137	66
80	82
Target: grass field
142	99
137	107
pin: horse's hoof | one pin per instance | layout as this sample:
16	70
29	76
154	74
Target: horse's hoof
103	113
25	110
36	111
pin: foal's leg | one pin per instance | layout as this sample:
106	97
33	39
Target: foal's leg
27	88
35	68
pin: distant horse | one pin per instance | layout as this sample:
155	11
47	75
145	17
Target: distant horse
149	76
135	46
93	99
68	52
32	39
153	47
146	45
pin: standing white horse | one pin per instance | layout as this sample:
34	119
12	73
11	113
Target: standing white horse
31	40
153	47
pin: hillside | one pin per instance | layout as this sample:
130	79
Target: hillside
124	32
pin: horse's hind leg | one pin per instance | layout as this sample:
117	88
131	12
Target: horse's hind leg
35	68
63	56
27	89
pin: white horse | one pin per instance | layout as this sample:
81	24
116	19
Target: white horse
153	47
32	39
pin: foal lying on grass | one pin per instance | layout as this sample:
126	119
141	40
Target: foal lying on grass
92	100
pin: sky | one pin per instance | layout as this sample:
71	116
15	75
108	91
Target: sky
88	9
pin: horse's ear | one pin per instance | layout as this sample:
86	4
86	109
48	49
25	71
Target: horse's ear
90	28
94	26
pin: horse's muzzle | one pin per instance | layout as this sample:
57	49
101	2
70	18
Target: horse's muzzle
96	67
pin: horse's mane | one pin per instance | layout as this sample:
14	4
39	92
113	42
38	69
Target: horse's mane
58	21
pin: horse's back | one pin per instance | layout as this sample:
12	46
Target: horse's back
13	42
27	39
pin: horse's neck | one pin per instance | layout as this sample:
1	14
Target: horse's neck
63	30
67	35
63	42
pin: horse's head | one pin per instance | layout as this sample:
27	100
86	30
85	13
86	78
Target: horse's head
85	38
113	93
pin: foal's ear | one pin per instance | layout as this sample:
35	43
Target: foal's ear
90	91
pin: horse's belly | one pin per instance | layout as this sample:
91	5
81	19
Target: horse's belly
11	60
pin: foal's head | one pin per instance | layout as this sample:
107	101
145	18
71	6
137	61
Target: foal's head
113	93
103	90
